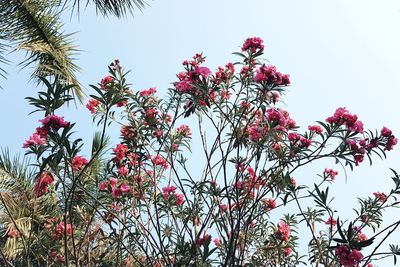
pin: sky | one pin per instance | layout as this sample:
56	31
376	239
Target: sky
339	54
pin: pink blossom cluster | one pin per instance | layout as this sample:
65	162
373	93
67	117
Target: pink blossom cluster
299	140
257	131
330	173
92	105
269	75
358	149
120	151
169	192
106	82
381	197
53	122
224	75
114	186
283	231
343	116
78	163
42	183
39	136
316	129
331	221
128	132
184	130
148	92
389	139
281	118
248	184
150	117
269	204
13	233
34	140
62	228
206	238
348	257
253	44
159	160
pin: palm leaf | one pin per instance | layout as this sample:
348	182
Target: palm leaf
3	60
35	27
15	174
118	8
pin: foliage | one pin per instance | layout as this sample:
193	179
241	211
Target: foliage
36	28
145	202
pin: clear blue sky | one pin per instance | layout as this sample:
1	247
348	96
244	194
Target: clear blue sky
339	53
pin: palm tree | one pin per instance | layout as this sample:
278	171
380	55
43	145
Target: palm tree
34	26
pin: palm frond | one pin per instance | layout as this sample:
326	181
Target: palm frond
15	174
3	60
35	27
118	8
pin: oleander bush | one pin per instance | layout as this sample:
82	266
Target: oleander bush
220	192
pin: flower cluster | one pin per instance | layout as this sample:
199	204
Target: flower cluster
42	183
115	186
169	194
78	163
253	44
343	116
348	257
282	232
50	122
269	75
330	173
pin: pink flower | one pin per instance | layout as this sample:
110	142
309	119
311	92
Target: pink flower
315	128
348	258
391	142
113	182
120	150
116	192
158	133
283	231
123	171
34	140
127	132
159	160
105	82
184	130
331	221
386	132
61	228
203	240
331	173
60	258
287	251
54	122
167	191
148	92
380	196
92	105
217	242
13	233
125	188
269	204
203	71
179	199
42	183
253	44
103	185
122	103
224	74
78	163
361	237
343	116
